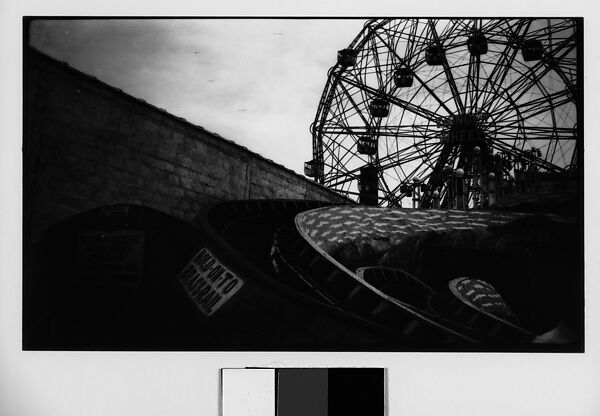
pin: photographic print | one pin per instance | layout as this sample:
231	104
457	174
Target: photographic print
303	184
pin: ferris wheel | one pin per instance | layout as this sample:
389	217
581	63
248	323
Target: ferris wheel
429	109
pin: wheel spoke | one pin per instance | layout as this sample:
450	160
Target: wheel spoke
419	80
448	71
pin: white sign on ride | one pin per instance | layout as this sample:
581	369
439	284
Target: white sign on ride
208	282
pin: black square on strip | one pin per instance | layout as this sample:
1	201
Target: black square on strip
356	391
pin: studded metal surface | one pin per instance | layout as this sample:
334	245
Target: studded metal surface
330	227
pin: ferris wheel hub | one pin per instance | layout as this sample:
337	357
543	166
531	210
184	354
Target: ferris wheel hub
464	129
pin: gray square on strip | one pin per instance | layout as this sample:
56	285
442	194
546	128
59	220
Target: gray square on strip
302	391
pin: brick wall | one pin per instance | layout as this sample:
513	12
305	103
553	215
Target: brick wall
87	144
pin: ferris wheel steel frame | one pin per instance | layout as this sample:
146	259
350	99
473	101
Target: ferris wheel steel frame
509	83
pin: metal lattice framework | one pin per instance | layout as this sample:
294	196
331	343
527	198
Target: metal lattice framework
417	99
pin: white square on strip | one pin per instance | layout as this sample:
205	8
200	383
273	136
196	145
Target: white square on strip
247	392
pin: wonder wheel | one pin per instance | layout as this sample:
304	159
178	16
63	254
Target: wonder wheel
449	112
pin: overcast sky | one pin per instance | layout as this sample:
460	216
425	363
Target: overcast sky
256	82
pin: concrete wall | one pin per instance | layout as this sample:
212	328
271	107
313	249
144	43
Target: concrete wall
87	144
